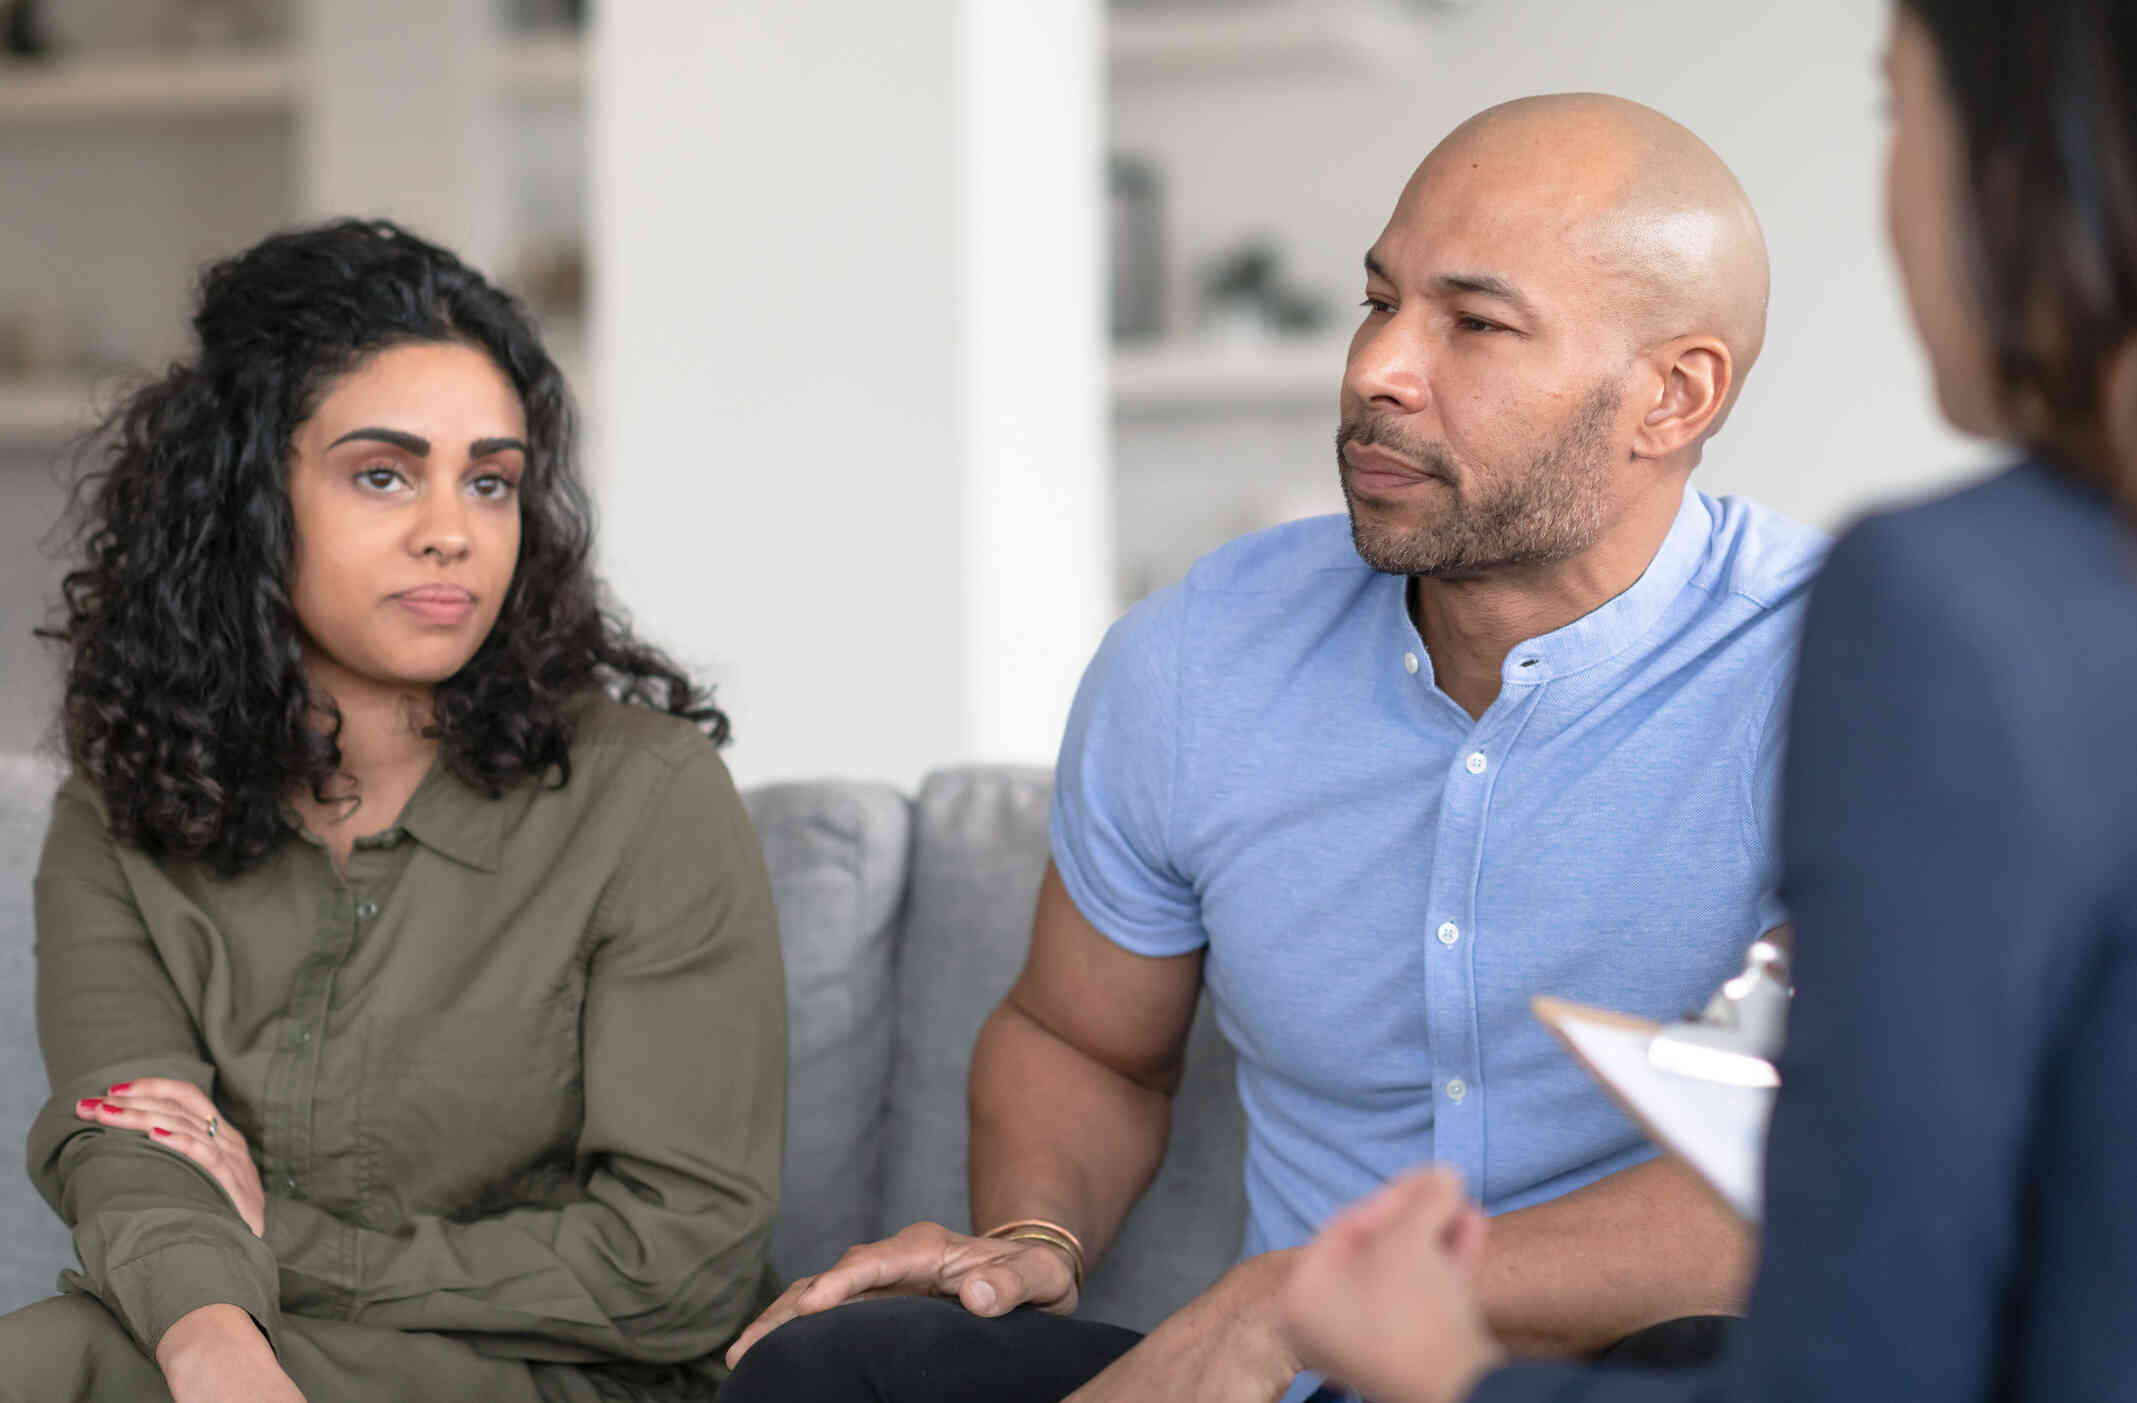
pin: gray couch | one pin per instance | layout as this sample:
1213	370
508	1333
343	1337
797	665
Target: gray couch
904	920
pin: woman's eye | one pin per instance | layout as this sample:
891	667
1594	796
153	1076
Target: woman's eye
380	479
1375	304
494	486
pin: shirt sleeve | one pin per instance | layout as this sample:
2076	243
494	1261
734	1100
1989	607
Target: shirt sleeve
684	1046
1917	842
1771	748
156	1236
1111	824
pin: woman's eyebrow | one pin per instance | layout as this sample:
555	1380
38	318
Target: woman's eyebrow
406	442
484	447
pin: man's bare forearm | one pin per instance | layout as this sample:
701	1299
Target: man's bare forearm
1585	1270
1057	1134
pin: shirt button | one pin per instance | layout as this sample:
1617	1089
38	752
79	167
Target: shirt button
304	1035
1476	762
1409	663
1457	1089
289	1181
1449	933
366	911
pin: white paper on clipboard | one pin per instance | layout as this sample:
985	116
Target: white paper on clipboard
1717	1129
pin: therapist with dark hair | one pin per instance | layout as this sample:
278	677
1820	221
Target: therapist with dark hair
1953	1161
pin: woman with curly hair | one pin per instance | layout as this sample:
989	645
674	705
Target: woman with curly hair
406	966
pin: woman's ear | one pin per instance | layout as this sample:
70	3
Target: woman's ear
1692	379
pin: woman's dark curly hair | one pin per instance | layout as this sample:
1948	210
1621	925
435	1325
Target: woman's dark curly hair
2045	93
186	700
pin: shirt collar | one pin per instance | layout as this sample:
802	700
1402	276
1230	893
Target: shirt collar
449	816
1603	633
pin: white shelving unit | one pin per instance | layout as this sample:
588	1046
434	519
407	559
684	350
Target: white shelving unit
45	411
1197	378
1146	41
129	91
146	87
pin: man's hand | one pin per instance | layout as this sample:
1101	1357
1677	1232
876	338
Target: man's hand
1225	1346
216	1354
178	1116
1383	1298
987	1275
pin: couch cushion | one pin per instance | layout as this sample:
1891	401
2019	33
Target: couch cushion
837	856
34	1244
979	850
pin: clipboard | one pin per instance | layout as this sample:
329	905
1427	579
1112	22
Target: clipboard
1719	1130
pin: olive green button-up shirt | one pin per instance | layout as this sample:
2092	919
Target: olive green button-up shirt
519	1073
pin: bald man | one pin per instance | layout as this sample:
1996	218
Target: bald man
1511	729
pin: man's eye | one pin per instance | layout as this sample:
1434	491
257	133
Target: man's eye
1375	304
1477	324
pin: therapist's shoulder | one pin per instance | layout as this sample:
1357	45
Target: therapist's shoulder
2019	558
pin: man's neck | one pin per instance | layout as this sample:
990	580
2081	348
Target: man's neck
1470	625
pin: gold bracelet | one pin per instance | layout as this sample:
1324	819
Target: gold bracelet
1040	1230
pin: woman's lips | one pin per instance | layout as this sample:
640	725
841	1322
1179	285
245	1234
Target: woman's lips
437	604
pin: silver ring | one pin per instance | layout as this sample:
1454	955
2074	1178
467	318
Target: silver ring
211	1127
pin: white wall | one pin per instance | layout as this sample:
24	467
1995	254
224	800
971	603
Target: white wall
1837	414
847	338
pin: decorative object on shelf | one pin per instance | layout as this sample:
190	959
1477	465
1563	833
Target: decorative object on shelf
1136	196
1247	297
219	24
548	14
22	34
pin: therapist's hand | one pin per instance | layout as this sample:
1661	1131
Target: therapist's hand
1383	1299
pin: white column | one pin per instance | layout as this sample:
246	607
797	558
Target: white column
397	101
850	365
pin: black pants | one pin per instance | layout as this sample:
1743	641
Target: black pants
922	1350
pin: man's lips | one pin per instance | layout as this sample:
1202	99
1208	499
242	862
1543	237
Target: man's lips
442	604
1374	469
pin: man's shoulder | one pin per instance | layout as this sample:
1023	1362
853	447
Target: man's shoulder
1759	556
1251	593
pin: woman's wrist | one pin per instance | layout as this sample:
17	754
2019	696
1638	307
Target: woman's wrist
207	1335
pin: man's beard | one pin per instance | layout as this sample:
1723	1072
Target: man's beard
1552	511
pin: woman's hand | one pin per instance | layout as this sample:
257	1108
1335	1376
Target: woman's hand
1382	1298
216	1354
179	1116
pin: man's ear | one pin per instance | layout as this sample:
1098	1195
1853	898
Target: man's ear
1692	377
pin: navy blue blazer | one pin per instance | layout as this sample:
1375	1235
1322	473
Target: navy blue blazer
1952	1174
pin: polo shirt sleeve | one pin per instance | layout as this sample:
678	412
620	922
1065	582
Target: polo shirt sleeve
1115	786
156	1236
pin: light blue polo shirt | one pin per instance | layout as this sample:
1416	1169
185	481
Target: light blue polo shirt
1259	763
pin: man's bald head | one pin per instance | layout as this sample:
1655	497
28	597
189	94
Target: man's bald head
1647	207
1558	316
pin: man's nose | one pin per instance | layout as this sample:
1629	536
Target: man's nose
1387	367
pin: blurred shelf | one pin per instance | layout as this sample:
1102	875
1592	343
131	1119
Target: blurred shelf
544	66
187	85
1154	40
47	410
1185	378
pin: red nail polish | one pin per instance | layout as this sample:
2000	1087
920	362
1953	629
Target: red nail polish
160	1132
111	1108
120	1089
87	1103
